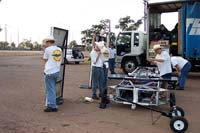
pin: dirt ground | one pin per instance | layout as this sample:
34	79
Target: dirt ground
22	103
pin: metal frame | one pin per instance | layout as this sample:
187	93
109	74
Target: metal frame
142	79
63	46
128	83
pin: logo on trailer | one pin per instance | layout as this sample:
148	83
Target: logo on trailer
57	55
195	28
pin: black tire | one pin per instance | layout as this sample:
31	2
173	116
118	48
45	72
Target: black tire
129	64
77	62
172	99
179	124
177	111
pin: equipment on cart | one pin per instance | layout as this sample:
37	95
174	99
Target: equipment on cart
142	88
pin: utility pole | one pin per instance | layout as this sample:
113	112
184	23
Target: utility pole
145	14
18	36
109	30
6	32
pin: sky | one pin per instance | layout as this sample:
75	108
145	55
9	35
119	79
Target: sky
32	19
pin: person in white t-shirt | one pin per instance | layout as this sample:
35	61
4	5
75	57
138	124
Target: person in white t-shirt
97	70
112	58
52	57
105	55
183	67
99	57
163	63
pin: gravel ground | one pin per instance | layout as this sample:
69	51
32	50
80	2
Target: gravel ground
22	103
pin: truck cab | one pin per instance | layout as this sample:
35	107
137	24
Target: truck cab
130	49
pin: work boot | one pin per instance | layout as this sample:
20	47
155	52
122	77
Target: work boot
49	109
95	98
104	102
102	105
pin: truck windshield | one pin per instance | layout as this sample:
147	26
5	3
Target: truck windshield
123	44
69	52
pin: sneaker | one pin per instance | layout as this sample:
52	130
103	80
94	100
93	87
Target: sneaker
49	109
95	98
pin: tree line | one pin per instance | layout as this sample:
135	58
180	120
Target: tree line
24	45
101	29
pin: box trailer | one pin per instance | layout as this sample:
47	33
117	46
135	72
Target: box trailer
184	39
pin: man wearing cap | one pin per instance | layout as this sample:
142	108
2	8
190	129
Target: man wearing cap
163	63
112	58
97	69
183	67
52	57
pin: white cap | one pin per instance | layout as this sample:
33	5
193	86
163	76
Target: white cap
48	38
100	44
157	46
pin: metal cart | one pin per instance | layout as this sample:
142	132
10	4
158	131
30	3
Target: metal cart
142	88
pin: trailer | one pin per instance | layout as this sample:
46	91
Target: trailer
184	39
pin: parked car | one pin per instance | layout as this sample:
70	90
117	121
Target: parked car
74	55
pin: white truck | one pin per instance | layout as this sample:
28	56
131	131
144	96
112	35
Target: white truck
134	47
131	49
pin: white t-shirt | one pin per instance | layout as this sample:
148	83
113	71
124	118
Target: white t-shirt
93	56
53	54
176	60
164	67
105	53
112	53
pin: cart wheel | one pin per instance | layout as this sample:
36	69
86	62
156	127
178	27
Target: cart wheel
133	106
177	111
172	99
179	124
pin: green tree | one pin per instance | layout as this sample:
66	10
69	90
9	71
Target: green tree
13	45
103	28
128	24
112	37
4	45
37	46
99	29
72	44
26	45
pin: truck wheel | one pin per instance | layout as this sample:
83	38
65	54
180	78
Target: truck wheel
129	65
179	124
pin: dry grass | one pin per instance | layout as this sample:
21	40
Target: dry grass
19	53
